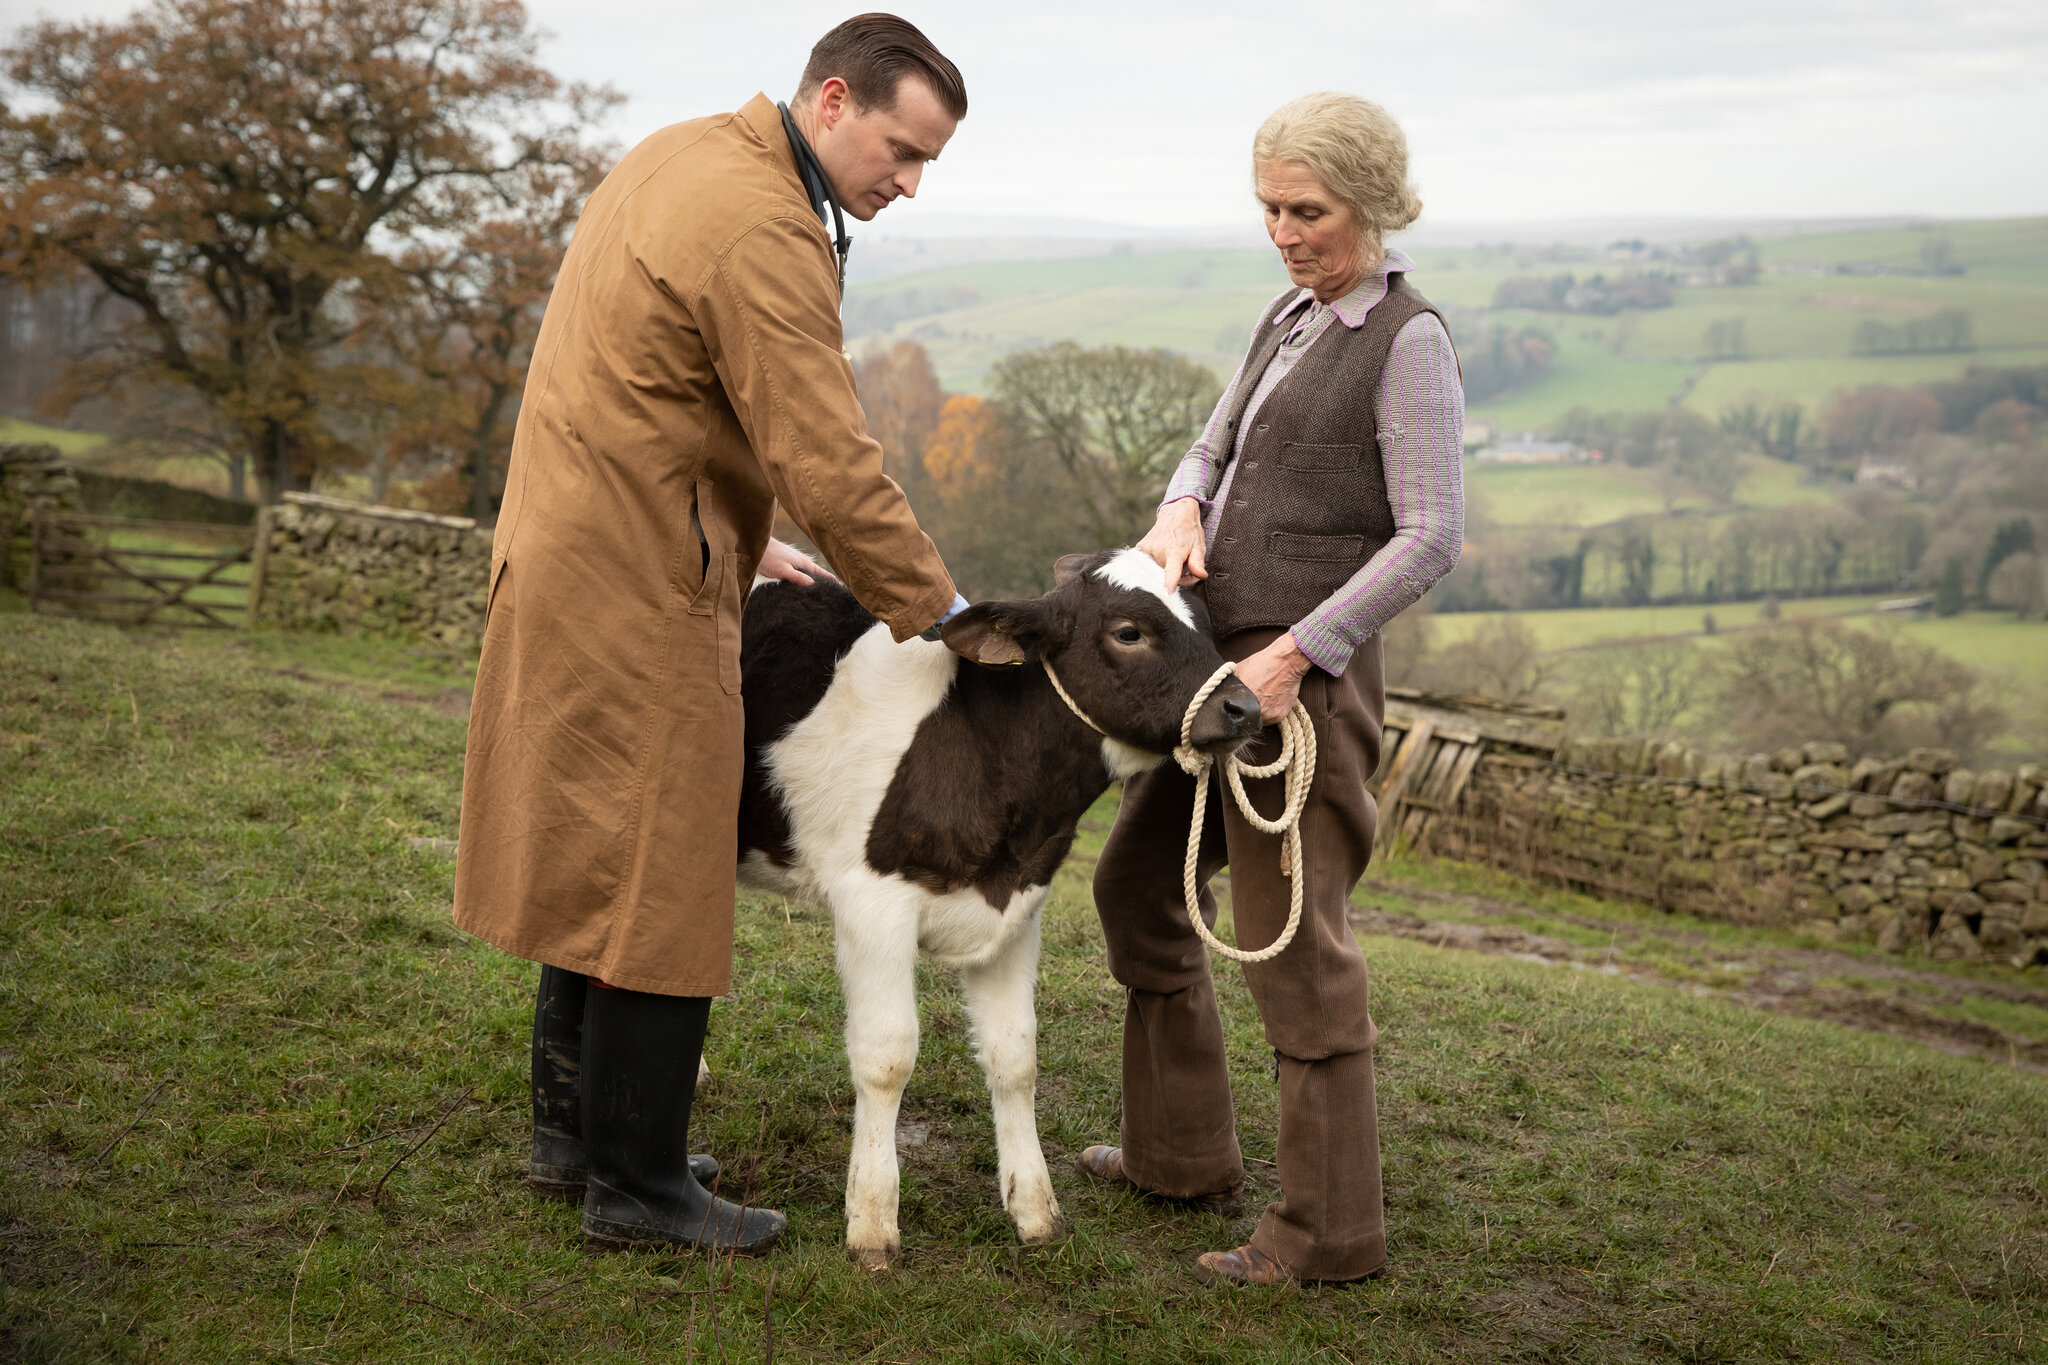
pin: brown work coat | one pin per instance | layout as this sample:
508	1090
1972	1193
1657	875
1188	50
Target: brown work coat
688	374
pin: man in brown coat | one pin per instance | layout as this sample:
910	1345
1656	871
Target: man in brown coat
688	377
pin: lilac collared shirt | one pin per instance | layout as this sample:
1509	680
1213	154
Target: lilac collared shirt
1421	412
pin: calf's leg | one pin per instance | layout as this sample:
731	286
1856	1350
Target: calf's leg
876	929
1000	1001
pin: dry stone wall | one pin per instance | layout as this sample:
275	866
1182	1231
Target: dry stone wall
1916	853
328	564
32	476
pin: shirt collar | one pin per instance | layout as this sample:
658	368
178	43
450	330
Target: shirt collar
1352	308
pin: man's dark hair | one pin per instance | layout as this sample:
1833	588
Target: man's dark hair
872	53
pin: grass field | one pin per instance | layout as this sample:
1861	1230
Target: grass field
259	1100
1591	495
72	443
1991	640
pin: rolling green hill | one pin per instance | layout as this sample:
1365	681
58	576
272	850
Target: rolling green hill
1799	328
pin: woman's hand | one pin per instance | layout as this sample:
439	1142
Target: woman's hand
1175	540
790	564
1275	674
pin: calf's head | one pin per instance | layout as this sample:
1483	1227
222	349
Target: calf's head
1129	652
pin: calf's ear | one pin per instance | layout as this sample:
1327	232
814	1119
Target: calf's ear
996	633
1067	568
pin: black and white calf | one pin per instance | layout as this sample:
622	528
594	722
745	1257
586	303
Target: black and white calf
928	802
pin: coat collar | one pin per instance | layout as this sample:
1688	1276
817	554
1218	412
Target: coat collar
764	117
1363	298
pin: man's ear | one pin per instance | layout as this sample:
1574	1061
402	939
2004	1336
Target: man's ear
996	633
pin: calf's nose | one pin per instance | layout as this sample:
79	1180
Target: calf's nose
1227	719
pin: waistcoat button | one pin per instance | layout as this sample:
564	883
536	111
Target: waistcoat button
1253	464
1260	427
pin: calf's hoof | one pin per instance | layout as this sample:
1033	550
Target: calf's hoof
876	1260
1039	1232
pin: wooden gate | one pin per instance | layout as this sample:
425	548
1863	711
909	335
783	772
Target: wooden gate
1431	746
98	567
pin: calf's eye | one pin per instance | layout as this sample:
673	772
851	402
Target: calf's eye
1129	635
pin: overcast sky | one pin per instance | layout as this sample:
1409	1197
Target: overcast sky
1142	113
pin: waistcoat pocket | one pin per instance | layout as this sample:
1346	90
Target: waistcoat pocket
1300	455
1287	545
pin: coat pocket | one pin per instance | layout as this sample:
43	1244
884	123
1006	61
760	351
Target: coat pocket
491	592
1286	545
722	599
1320	459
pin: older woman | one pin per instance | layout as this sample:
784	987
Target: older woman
1324	497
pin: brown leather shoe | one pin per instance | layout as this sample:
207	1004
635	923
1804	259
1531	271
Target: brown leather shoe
1245	1265
1107	1163
1104	1163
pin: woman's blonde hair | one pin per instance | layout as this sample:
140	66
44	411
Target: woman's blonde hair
1353	146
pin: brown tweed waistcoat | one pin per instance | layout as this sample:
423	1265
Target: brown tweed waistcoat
1308	505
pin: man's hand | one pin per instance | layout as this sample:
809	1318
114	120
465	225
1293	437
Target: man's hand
1275	674
790	564
1175	540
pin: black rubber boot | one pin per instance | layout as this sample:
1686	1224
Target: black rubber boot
556	1167
640	1054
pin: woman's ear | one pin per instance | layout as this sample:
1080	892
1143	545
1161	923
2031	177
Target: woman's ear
996	633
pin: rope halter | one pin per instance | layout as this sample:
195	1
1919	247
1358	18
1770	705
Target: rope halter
1297	759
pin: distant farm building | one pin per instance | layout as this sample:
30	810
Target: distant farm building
1887	474
1529	448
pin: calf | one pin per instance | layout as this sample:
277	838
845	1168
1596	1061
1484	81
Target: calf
929	804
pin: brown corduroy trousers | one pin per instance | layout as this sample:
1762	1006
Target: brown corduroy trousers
1179	1126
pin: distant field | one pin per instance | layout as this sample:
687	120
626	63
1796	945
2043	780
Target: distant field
70	442
1591	495
1992	641
1812	380
1556	630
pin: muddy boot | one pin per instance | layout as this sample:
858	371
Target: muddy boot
640	1054
556	1166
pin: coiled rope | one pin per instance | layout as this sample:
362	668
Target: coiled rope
1297	759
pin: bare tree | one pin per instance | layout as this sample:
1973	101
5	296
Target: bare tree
1817	678
1116	420
1501	660
1642	687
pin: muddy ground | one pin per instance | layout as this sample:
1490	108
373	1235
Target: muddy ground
1886	995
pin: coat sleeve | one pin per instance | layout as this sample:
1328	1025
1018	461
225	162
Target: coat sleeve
766	310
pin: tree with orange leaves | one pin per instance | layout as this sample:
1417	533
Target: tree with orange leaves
249	173
957	458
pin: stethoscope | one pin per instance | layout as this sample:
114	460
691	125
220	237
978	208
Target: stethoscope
807	163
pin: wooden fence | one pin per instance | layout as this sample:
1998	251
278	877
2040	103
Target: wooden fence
1431	746
76	568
